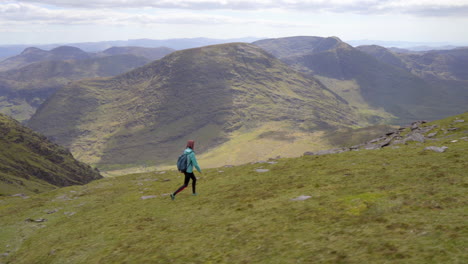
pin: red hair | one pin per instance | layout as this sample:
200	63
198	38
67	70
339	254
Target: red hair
191	144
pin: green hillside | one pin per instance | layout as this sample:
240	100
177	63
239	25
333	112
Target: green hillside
23	90
444	71
30	163
378	89
399	204
209	94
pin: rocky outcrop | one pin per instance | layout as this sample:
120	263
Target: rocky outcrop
418	133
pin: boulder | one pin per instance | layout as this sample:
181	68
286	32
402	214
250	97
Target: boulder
40	220
415	125
415	137
437	149
301	198
148	197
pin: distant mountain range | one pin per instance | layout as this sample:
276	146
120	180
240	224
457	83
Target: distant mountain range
408	45
177	44
30	163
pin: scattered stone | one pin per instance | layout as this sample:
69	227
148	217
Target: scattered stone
165	194
454	141
5	254
148	197
52	211
22	195
220	171
162	172
432	134
166	180
63	197
452	129
328	151
415	125
437	149
372	147
262	170
272	162
459	121
40	220
228	166
69	213
301	198
415	137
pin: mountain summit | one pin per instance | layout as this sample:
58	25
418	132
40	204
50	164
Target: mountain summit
32	55
203	93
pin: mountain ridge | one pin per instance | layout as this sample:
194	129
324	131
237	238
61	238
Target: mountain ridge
379	85
205	92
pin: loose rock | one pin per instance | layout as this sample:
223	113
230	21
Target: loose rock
148	197
437	149
301	198
40	220
415	137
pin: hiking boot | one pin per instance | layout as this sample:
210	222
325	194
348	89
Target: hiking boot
172	196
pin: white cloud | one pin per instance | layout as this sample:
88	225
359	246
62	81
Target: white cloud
18	13
415	7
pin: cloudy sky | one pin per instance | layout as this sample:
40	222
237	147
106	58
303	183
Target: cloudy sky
65	21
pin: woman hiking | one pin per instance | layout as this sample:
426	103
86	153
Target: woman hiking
192	161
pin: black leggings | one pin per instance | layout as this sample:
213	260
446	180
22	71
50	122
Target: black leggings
188	176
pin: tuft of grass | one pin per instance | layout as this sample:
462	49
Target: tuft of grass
397	205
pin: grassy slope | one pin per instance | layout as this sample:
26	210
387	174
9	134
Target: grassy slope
398	205
29	163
